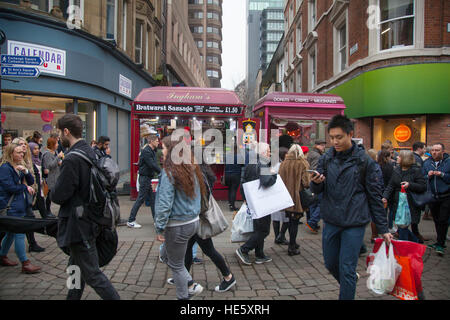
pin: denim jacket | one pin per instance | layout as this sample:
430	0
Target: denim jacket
174	204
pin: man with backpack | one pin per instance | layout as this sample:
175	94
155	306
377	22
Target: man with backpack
351	195
76	232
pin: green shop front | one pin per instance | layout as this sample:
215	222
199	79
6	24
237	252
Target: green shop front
399	103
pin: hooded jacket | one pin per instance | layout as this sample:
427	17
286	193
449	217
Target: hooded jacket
440	186
349	199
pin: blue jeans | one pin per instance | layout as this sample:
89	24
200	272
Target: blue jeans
145	190
341	248
19	245
314	213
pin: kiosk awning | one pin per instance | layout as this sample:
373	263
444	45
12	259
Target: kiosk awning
188	100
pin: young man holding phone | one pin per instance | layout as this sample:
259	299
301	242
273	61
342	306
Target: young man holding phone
351	197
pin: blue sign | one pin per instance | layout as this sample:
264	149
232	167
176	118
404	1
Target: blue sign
21	60
20	72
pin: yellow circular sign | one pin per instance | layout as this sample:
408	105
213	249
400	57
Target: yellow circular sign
402	133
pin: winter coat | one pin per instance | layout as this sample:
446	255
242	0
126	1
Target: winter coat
387	170
417	183
11	183
440	186
50	161
313	158
71	191
348	199
293	173
418	159
148	165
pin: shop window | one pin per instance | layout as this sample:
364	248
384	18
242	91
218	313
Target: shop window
24	114
396	24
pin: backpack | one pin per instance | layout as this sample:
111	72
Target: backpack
103	205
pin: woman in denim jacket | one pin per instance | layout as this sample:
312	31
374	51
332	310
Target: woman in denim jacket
177	207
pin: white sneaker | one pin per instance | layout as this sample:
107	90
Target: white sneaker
195	290
170	281
134	224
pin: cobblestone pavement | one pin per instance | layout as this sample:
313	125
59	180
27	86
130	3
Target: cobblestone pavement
137	273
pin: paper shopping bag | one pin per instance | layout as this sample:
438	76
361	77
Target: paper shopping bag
264	201
405	288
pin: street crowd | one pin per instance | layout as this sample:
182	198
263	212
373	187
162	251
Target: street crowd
348	188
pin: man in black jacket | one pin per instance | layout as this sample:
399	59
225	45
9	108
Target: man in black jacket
418	150
352	193
261	226
147	169
102	148
76	233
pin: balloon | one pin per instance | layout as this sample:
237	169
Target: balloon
47	115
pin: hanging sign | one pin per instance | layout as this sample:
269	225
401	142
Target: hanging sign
402	133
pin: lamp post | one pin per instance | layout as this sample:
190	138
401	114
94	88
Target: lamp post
2	41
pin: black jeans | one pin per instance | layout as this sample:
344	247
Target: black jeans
87	260
441	213
207	247
232	181
261	229
145	189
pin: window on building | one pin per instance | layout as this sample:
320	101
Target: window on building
298	34
199	43
216	2
312	69
396	24
138	42
124	25
195	2
212	44
213	15
196	14
197	29
342	36
312	14
156	56
291	50
212	73
212	30
111	20
299	80
212	59
291	13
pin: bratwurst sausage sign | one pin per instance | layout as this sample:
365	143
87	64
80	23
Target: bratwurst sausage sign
225	110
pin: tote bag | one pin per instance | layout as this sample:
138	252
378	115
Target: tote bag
264	201
212	221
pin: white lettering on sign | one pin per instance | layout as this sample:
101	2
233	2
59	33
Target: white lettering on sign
125	86
54	59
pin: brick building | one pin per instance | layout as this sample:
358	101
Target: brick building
388	59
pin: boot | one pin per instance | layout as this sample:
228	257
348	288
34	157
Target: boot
28	268
293	250
4	261
35	248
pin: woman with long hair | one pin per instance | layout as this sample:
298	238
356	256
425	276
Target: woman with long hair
51	161
13	174
293	173
178	203
407	176
385	163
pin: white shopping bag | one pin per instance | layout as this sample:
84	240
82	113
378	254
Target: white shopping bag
242	227
264	201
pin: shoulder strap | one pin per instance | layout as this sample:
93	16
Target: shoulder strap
82	155
8	206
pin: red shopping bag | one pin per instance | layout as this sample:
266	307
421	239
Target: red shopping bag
409	256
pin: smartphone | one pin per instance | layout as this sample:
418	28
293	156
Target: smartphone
314	172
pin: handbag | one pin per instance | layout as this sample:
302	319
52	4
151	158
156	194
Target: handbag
421	199
45	188
4	211
307	198
211	221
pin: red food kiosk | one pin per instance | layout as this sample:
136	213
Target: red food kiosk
168	108
303	116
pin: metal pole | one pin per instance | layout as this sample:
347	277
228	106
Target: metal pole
2	40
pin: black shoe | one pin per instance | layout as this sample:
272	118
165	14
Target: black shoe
263	260
293	252
243	256
36	248
225	285
281	240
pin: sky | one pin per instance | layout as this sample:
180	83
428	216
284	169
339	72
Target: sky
233	43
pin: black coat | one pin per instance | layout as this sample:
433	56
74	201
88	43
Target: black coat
148	165
348	200
417	183
72	190
387	170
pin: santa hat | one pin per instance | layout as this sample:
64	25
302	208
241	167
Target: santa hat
305	149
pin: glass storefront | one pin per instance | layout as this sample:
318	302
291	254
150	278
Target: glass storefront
24	114
402	131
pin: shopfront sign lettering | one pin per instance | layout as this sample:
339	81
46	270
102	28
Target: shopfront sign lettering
187	97
402	133
232	110
294	99
54	59
125	86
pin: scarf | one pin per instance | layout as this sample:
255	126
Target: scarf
35	159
